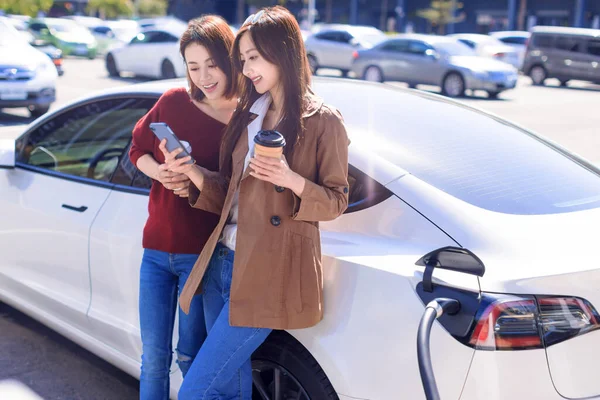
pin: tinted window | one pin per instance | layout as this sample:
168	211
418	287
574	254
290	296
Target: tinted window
514	40
128	175
568	43
469	43
102	29
593	47
86	141
163	37
145	37
417	48
543	40
398	46
467	154
36	26
335	36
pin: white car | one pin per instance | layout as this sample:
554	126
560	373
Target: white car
332	46
27	76
112	34
515	39
153	52
488	46
73	209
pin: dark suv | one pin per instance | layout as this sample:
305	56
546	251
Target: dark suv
563	53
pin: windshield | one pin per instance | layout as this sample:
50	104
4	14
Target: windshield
71	28
453	49
476	158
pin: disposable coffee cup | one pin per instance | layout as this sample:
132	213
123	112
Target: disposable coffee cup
269	143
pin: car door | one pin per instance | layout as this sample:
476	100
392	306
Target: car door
61	180
592	54
132	57
162	46
393	59
572	61
422	65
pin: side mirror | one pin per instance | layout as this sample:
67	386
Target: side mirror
7	153
434	55
39	43
450	258
44	32
354	42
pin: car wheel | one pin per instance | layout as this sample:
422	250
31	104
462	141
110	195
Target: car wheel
453	85
281	363
493	95
111	65
38	111
373	74
312	62
538	75
167	70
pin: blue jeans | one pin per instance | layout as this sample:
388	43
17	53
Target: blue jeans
222	369
162	277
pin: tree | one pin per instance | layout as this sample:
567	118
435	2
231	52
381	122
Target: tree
25	7
151	8
111	8
442	13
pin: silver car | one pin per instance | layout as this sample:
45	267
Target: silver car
434	60
333	45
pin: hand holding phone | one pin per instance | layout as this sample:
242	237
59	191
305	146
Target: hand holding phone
163	131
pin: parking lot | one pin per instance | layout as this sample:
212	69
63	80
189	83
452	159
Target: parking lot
57	369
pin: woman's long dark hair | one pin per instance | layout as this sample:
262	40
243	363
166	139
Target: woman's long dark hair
278	39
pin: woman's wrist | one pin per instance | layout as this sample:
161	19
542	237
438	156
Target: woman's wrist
298	184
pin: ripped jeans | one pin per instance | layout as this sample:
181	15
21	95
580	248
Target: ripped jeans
162	277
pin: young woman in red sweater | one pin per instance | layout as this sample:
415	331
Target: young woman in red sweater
175	233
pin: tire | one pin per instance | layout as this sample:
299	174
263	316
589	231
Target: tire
301	376
38	111
373	74
538	75
111	65
493	95
453	85
167	70
313	63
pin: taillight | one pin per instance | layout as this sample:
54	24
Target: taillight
355	54
499	55
57	61
506	322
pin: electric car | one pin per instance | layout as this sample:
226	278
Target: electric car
425	173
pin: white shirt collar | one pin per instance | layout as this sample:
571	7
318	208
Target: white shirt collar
261	105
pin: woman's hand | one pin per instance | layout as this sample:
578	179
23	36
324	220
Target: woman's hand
178	183
278	172
173	164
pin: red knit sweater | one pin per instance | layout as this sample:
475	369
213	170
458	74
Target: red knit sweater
173	226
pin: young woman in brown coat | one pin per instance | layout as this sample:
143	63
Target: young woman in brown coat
261	268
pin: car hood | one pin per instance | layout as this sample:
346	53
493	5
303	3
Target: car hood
75	38
477	63
21	56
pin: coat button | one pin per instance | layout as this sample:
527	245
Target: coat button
279	189
275	220
346	190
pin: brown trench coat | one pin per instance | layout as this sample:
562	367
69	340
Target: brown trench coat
277	276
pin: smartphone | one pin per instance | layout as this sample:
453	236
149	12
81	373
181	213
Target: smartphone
163	131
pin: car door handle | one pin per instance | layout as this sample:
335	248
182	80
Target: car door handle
78	209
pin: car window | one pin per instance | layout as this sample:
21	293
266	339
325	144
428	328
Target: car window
469	43
396	46
364	191
127	174
163	37
514	40
593	47
143	37
567	43
330	36
101	29
479	159
36	27
418	48
86	141
543	41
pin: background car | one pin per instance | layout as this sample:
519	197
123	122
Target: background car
563	53
27	76
152	53
112	34
488	46
515	39
69	36
425	173
433	60
332	46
